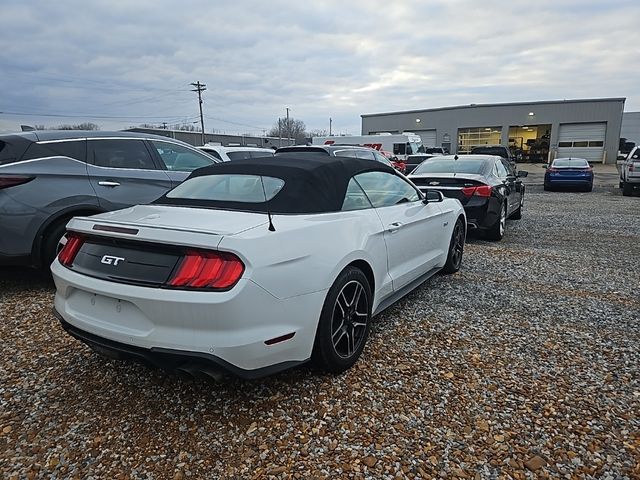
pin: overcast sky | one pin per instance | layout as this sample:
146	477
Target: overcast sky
122	63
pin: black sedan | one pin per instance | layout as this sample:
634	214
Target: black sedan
487	186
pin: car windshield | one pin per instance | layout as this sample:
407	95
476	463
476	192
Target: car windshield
434	165
570	162
499	151
228	188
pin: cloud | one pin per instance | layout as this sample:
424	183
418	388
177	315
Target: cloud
91	61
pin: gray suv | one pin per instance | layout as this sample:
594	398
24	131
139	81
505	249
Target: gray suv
47	177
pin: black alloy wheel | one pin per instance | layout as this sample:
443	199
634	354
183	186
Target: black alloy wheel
456	248
344	322
496	232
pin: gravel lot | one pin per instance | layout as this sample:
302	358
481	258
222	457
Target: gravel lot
525	364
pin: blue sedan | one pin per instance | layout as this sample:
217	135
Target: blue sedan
569	172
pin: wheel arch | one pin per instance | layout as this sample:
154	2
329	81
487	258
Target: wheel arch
364	266
52	222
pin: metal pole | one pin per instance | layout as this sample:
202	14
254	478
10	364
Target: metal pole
200	87
288	128
330	122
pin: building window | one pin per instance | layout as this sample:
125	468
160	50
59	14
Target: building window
596	143
473	137
565	144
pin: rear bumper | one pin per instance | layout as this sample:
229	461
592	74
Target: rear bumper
186	329
193	363
567	181
482	213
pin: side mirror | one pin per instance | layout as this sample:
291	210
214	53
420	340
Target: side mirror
545	166
621	157
432	196
522	173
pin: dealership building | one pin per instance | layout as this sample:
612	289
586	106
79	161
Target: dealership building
534	131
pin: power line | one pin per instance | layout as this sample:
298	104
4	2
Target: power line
88	115
200	87
234	123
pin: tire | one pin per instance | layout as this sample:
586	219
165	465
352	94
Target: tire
627	189
547	188
496	231
344	322
456	248
620	183
589	188
51	242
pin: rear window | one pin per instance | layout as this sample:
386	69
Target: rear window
75	149
570	162
12	149
228	188
499	151
450	166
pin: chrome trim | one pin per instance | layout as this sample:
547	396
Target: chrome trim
21	162
62	140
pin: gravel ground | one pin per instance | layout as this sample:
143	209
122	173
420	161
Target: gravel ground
525	364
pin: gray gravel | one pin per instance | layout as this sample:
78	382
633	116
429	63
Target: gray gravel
525	364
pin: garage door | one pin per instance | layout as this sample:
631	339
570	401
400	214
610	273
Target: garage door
583	140
428	137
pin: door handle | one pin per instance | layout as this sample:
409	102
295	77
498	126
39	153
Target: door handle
394	227
109	184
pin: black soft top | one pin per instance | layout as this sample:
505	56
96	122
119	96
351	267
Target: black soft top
313	183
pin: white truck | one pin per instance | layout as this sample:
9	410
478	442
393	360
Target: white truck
400	145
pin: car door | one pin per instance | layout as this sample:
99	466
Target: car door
178	160
413	230
123	173
515	186
507	185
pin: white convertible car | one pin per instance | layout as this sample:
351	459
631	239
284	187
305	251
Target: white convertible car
254	266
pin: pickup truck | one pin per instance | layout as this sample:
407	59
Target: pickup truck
630	172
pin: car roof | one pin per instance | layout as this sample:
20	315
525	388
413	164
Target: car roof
312	183
46	135
473	156
221	148
319	148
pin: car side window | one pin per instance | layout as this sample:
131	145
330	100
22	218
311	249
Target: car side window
382	159
355	198
501	171
399	148
180	158
75	149
385	189
509	168
365	154
258	154
346	153
120	153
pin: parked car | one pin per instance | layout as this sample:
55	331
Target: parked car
499	150
569	172
414	160
227	154
434	151
487	186
255	266
630	172
397	163
334	150
47	177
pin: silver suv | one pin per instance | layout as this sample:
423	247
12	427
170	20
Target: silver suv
630	172
47	177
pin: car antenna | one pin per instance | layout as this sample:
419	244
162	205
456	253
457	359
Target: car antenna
264	192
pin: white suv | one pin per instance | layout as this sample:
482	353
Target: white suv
227	154
630	172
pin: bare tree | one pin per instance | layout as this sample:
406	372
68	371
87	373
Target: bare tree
295	129
79	126
318	132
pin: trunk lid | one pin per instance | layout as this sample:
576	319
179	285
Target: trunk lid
449	184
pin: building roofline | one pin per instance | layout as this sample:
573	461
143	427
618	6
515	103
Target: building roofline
476	105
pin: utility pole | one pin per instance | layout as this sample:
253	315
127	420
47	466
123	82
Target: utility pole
279	133
200	87
330	122
288	128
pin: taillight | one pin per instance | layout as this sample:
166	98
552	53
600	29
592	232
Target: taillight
479	191
552	170
14	180
214	270
71	249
